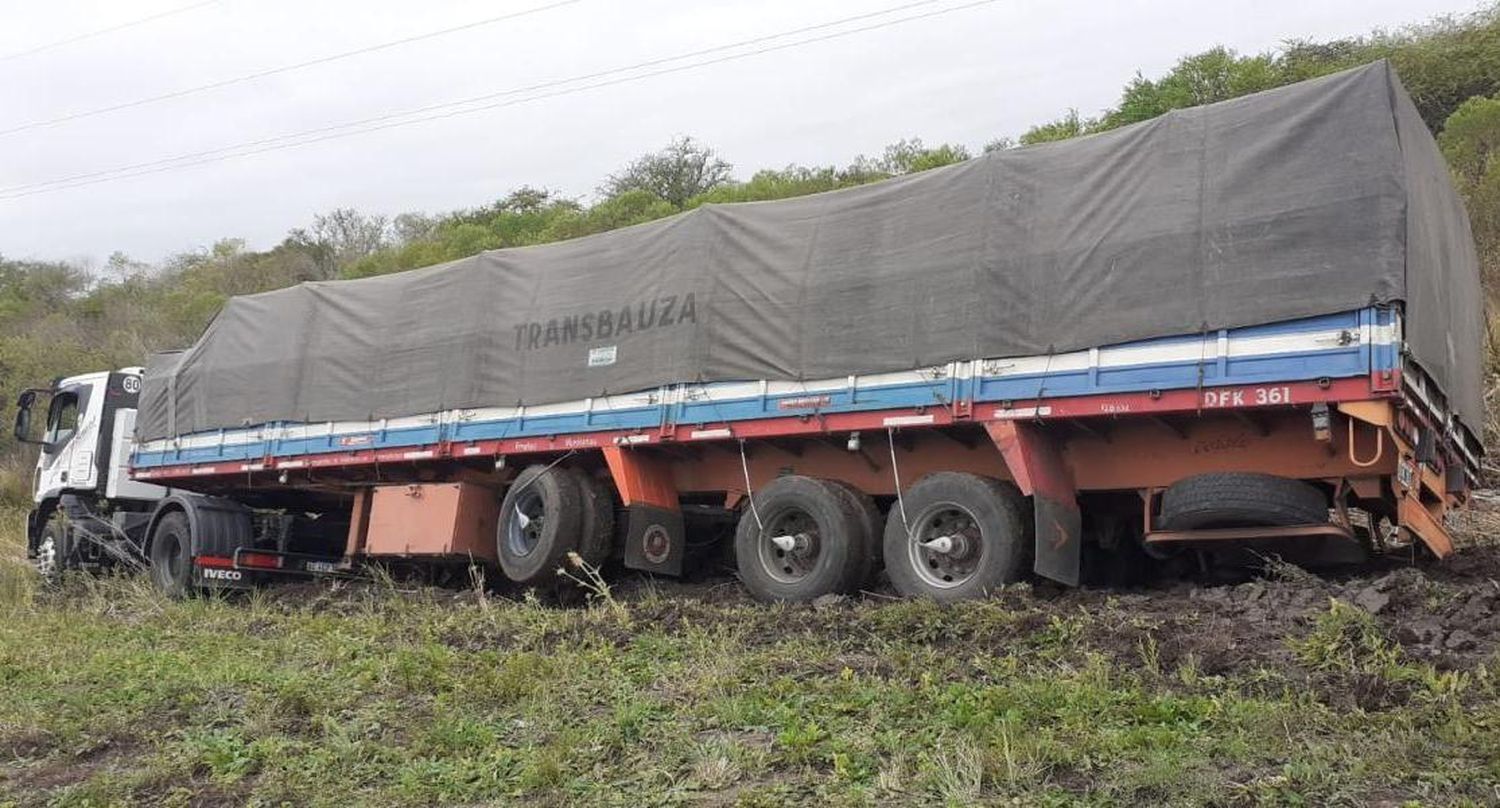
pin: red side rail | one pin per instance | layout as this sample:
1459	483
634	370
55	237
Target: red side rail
1242	397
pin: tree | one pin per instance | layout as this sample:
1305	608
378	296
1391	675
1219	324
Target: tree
910	156
1471	142
341	237
1068	126
409	227
677	173
1216	74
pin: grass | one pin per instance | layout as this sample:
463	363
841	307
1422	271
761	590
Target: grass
110	695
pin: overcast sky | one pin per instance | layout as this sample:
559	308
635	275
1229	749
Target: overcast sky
968	76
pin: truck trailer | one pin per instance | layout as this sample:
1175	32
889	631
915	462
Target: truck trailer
1249	327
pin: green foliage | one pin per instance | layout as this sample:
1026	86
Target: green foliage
1347	639
374	695
911	156
1442	64
791	181
676	174
1471	142
1214	75
1068	126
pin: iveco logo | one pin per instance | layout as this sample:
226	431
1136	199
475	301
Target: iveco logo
223	575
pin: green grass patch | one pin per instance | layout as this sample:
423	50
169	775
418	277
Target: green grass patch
110	695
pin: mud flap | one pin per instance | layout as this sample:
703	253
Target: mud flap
1036	464
655	540
1059	543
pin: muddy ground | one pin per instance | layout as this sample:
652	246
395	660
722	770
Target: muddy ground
1443	613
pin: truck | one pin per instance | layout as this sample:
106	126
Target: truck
1243	329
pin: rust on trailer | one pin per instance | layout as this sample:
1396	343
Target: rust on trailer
433	519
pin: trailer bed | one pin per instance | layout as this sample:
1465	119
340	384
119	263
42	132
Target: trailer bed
1352	355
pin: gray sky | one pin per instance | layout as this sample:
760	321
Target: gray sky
967	77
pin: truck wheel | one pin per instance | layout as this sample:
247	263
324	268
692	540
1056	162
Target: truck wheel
808	541
1240	499
52	550
541	521
872	528
172	555
968	536
597	537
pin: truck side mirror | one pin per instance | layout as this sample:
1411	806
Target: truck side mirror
23	416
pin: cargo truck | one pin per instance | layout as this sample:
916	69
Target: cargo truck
1250	327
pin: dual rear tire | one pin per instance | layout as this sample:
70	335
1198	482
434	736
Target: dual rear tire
951	537
548	513
957	537
801	538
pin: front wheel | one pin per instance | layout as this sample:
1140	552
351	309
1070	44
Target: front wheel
961	536
52	550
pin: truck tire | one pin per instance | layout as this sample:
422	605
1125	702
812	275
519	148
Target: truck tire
597	537
873	528
541	521
1241	499
172	555
52	550
822	550
969	535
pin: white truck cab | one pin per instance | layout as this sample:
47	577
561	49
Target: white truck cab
82	469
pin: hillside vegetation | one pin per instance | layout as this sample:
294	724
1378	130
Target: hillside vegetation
58	319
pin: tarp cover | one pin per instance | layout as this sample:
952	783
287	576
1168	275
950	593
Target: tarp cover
1320	197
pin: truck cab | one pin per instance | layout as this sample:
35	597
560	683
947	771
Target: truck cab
87	511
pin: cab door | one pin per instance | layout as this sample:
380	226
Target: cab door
67	456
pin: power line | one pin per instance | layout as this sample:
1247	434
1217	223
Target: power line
394	120
547	85
111	29
215	85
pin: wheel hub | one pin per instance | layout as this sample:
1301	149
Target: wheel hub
524	532
790	546
946	546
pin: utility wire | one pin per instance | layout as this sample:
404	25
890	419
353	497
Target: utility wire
275	71
102	31
394	120
447	105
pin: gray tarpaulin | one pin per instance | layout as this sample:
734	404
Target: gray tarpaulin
1320	197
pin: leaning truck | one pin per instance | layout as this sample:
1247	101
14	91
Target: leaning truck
1253	326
